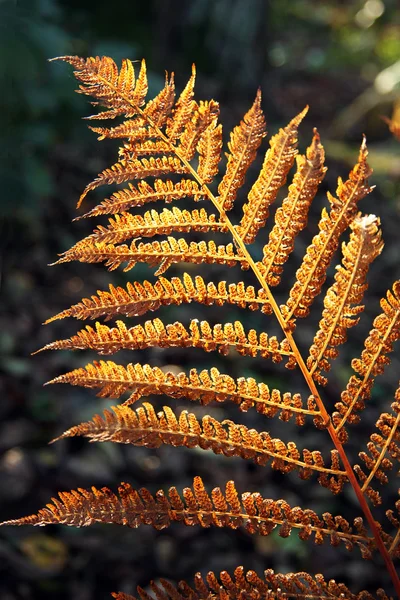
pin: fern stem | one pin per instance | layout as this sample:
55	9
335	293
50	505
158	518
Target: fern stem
286	330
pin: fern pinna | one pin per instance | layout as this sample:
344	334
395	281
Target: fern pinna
182	139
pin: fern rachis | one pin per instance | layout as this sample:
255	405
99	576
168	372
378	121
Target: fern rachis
163	138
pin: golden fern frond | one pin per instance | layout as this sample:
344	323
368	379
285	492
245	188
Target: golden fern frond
312	273
108	340
379	343
125	226
245	141
143	427
383	448
141	297
135	168
250	586
291	217
167	191
164	253
99	77
250	510
277	164
342	300
204	387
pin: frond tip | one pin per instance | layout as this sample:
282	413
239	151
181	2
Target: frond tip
80	508
250	586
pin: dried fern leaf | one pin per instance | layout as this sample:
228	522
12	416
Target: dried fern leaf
382	449
126	225
256	514
164	254
204	387
167	191
244	143
277	164
99	77
250	586
183	110
291	217
135	168
379	343
143	427
141	297
394	122
108	340
342	301
312	272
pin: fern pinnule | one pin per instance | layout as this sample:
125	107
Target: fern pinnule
277	164
379	343
205	386
108	340
145	427
382	449
244	143
141	297
249	585
135	168
196	507
342	300
161	254
291	217
131	197
125	225
312	273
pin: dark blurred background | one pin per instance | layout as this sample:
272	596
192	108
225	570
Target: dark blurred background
340	57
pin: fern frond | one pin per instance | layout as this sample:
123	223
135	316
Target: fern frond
342	301
135	168
383	448
312	272
126	225
251	511
141	297
143	427
108	340
291	217
244	143
167	191
204	387
250	586
164	253
277	164
377	346
120	92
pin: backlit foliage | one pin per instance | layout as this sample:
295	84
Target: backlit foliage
172	150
